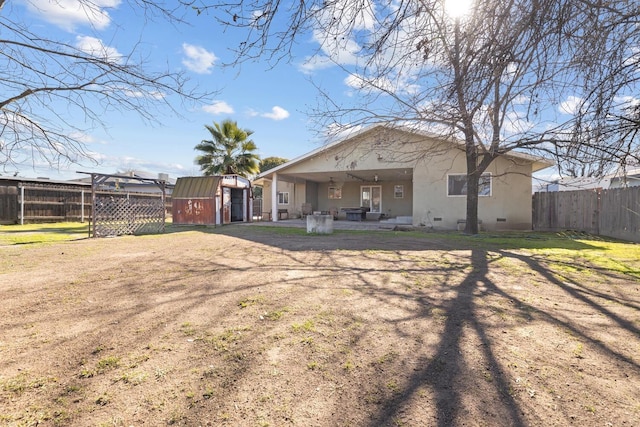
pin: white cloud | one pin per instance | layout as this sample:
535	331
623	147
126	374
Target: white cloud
627	101
277	113
140	94
218	107
315	63
334	34
67	14
334	51
85	138
515	123
570	105
94	47
381	84
198	59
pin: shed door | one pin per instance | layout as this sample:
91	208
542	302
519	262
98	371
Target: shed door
237	205
226	205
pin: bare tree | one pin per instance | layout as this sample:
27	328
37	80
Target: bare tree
505	75
54	92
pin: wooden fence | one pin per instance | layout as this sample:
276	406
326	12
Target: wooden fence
612	213
33	203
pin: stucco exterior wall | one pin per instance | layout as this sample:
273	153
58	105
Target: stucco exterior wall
368	152
297	196
351	193
507	208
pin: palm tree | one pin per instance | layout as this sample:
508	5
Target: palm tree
230	151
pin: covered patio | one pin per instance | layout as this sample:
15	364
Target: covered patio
372	192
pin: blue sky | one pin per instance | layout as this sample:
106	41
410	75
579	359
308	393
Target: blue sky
272	102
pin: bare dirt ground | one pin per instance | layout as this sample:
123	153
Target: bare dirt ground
249	326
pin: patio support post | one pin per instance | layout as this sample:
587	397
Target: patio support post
274	198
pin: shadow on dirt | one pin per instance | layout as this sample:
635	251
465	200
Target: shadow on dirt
442	374
296	239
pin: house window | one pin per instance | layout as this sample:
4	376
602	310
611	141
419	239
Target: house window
283	198
335	193
457	185
398	191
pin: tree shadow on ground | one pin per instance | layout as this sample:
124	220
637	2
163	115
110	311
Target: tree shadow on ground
443	373
469	291
295	239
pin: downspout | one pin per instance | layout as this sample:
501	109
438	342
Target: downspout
274	198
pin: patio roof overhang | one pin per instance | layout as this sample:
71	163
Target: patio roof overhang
341	177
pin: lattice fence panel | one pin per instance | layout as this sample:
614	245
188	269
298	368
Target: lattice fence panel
119	214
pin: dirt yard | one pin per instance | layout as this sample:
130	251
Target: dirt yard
251	326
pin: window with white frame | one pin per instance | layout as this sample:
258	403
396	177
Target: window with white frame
335	193
283	198
457	185
398	191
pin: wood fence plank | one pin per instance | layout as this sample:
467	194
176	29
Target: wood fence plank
612	213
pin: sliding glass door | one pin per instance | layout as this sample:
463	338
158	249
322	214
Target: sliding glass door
371	197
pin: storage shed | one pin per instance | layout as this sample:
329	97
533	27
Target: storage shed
212	200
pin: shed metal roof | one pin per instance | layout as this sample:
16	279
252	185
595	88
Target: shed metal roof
196	187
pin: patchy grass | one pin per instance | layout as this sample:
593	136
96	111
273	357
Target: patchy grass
42	233
270	326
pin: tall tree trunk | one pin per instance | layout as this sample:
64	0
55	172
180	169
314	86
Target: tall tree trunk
473	178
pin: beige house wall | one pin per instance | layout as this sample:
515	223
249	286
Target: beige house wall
296	197
363	153
422	166
508	207
351	193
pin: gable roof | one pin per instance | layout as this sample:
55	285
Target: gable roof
538	163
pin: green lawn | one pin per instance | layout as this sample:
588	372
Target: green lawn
42	233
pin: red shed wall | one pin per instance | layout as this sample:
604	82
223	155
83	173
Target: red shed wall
194	211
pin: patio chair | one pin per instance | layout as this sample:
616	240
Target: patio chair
306	210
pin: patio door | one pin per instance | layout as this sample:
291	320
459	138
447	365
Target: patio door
371	197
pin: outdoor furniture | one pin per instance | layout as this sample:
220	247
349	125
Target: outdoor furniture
356	214
306	210
283	213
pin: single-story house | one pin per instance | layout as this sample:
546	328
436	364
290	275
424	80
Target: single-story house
211	200
384	172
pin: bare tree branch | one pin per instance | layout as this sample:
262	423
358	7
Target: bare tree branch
54	93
